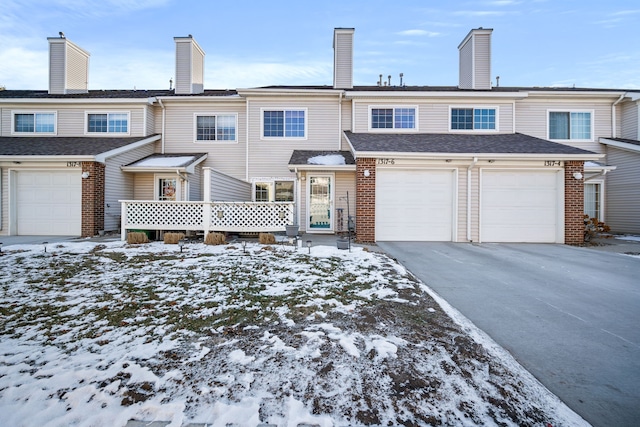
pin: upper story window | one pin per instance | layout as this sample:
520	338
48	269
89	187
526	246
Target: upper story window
34	122
284	124
570	125
217	127
473	119
107	122
393	118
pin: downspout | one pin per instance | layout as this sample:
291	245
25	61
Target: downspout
163	124
473	163
613	115
246	162
184	184
340	121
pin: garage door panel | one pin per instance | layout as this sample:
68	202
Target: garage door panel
414	205
49	202
520	206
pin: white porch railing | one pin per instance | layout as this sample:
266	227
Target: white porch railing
205	216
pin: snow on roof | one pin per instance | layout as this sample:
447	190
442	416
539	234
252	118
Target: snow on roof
169	162
327	159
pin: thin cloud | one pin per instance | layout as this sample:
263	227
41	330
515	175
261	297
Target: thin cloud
481	13
419	33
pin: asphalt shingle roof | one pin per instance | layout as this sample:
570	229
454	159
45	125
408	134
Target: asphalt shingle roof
515	143
301	157
61	146
106	94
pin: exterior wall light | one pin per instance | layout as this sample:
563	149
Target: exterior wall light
85	175
366	173
577	175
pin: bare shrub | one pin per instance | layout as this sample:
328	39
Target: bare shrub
215	239
173	238
267	238
137	237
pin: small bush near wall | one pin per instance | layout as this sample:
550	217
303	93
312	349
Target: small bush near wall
137	237
173	238
267	238
215	239
593	228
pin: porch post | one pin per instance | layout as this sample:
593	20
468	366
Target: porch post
206	184
123	220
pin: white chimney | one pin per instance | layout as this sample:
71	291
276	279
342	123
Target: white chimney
343	58
189	66
68	67
475	60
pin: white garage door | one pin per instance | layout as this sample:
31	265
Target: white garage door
520	206
414	205
49	203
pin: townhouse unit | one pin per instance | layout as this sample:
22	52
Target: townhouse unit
466	163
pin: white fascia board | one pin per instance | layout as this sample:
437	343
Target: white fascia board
487	156
599	168
341	168
575	93
155	169
192	167
621	145
102	157
52	158
178	98
149	100
289	92
433	94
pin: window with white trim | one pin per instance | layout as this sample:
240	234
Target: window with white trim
467	118
392	118
570	125
215	127
274	191
108	123
593	200
284	124
41	122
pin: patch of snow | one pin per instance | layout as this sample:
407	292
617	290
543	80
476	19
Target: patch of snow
327	160
629	238
168	162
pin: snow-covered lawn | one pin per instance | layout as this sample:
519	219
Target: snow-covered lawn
96	334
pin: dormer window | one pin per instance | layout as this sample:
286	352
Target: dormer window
398	118
473	118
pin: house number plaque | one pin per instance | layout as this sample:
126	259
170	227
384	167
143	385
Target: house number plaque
386	161
73	164
552	163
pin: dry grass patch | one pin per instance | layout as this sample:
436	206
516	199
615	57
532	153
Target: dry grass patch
215	239
267	238
137	237
173	238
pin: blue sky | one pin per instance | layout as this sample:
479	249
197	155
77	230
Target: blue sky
586	43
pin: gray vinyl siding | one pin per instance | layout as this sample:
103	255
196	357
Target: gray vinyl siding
56	68
143	186
183	68
343	78
622	192
270	157
225	188
630	113
532	117
434	117
195	184
466	65
482	72
227	157
119	185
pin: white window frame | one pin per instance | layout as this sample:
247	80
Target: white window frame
571	110
86	123
496	108
13	122
214	141
599	182
271	183
179	186
284	138
393	129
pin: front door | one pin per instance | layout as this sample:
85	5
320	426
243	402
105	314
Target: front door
320	192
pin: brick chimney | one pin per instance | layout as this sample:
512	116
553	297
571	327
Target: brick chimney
189	66
475	60
343	58
68	67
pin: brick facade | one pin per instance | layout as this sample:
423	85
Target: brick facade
366	200
573	203
92	199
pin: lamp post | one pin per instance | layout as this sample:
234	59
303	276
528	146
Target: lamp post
181	243
309	245
45	245
1	249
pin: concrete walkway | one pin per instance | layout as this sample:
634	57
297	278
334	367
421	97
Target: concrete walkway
571	316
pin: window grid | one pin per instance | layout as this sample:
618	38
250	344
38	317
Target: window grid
262	192
569	125
34	122
462	118
283	124
108	123
382	118
393	118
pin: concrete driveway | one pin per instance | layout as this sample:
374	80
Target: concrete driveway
571	316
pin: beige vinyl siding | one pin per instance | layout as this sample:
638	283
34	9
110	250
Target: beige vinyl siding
532	118
434	116
119	185
482	72
143	186
225	156
344	60
630	113
475	205
270	157
77	70
345	181
57	59
225	188
466	65
183	68
622	192
150	117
